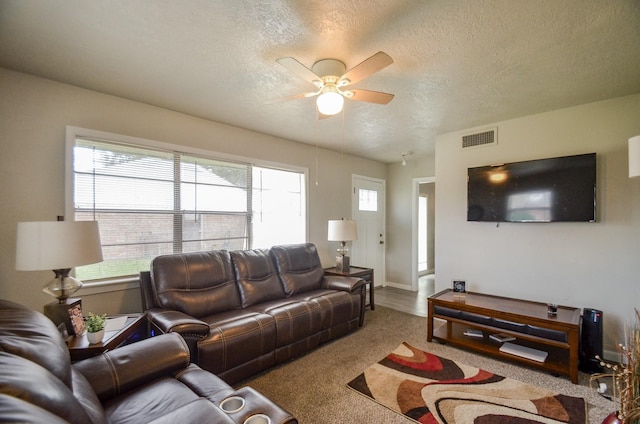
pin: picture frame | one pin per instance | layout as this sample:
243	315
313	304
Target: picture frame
459	286
61	313
77	319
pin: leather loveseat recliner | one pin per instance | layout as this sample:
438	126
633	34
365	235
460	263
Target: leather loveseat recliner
151	381
242	312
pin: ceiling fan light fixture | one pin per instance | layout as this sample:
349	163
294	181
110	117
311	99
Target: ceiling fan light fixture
330	102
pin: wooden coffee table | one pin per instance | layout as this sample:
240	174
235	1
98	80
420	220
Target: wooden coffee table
134	329
528	322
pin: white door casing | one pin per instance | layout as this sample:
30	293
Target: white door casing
415	193
369	250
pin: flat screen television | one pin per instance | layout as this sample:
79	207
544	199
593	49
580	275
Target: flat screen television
561	189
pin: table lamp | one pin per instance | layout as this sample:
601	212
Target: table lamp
342	230
58	246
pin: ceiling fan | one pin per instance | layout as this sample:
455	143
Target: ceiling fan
330	78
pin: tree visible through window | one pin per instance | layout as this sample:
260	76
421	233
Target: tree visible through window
152	202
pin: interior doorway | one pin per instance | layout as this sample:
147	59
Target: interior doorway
423	232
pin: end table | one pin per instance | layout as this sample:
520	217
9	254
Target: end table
355	271
134	329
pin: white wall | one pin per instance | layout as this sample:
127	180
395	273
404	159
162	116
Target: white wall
33	115
593	265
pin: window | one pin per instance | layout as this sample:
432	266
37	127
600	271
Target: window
155	201
278	207
367	200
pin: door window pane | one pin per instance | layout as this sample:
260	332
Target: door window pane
367	200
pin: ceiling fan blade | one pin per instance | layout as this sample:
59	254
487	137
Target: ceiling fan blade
371	96
300	70
367	67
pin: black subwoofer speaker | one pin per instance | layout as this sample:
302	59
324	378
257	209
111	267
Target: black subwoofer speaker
591	340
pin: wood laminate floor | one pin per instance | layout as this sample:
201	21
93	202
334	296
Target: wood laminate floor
414	303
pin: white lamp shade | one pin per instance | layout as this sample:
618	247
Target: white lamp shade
634	156
53	245
342	230
330	103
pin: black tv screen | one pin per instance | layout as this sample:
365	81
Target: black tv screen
561	189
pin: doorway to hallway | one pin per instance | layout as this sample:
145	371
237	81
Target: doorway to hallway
422	229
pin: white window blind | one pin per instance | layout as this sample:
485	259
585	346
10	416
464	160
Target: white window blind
151	202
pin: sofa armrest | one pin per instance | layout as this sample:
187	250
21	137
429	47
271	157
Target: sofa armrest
169	321
338	282
120	370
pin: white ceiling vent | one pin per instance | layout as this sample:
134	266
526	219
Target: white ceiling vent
486	137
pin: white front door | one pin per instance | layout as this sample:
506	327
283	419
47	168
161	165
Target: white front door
368	211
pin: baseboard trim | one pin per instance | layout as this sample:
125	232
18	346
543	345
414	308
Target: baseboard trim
399	286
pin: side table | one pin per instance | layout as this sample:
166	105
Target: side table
134	329
354	271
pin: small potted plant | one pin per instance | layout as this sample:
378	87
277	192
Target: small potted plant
95	327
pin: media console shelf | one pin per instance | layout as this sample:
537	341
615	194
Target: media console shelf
527	321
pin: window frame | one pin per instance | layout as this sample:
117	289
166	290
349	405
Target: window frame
73	132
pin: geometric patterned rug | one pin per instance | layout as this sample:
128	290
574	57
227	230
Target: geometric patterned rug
430	389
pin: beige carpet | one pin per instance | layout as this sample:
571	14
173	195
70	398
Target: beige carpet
314	387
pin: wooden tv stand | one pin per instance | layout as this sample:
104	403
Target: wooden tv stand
527	321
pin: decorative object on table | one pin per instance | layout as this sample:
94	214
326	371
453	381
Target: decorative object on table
77	320
552	309
95	327
342	230
459	286
429	388
58	246
626	377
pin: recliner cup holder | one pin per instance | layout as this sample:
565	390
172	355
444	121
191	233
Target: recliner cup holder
258	419
232	404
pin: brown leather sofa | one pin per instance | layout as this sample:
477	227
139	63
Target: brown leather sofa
244	311
151	381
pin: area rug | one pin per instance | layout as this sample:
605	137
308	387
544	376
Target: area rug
431	389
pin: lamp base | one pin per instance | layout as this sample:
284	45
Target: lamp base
59	313
342	263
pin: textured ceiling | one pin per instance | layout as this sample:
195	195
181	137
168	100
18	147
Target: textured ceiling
457	64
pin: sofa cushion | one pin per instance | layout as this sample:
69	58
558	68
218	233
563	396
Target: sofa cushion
234	341
299	267
336	307
83	391
15	410
198	283
33	336
198	411
256	276
149	402
17	379
295	320
205	384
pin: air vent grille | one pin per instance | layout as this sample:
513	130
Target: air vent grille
483	138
